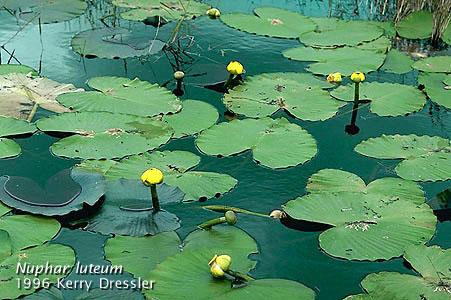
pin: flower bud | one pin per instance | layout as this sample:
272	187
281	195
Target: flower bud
230	217
216	271
224	261
334	78
358	77
152	176
179	75
235	68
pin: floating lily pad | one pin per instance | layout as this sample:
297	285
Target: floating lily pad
270	21
19	92
102	294
434	64
426	158
5	245
162	10
4	210
381	45
127	210
101	135
123	95
21	69
344	60
176	166
397	62
417	25
11	127
377	221
115	43
435	88
446	37
387	99
299	94
264	137
46	294
45	11
65	192
343	33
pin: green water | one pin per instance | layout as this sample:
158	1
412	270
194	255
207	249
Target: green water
284	252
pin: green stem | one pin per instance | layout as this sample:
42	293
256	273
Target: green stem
33	112
239	275
356	92
355	106
229	81
155	201
207	225
224	208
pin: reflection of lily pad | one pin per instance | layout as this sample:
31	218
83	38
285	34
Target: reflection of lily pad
265	137
127	210
114	43
123	95
397	62
345	60
65	192
435	88
387	99
426	158
300	94
270	21
417	25
176	167
11	127
434	64
370	222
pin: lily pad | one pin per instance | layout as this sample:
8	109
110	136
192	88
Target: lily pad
397	62
45	11
270	21
381	45
299	94
115	43
123	95
387	99
20	92
10	127
417	25
434	64
21	69
435	88
4	210
426	158
372	222
264	137
103	135
344	60
446	37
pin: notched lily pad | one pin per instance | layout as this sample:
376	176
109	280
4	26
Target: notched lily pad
12	127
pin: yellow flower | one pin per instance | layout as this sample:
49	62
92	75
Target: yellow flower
334	77
216	271
358	77
235	68
224	261
178	75
213	13
152	176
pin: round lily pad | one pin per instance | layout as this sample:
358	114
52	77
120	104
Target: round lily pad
417	25
434	64
387	99
397	62
426	158
115	43
435	88
123	95
270	21
264	137
299	94
363	219
11	127
344	60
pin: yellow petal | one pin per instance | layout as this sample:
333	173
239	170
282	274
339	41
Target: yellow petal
152	176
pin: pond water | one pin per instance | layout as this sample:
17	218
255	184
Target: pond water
283	252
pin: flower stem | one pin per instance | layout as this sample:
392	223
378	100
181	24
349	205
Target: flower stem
207	225
155	201
239	275
224	208
229	81
355	106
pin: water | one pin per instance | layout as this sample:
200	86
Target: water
284	252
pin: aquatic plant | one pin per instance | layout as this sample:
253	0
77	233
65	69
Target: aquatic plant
151	177
229	218
12	127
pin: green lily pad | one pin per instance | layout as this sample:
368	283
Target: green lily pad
417	25
4	210
380	45
343	33
45	11
377	221
176	166
387	99
103	135
21	91
21	69
299	94
122	95
46	294
5	245
446	37
10	127
162	10
115	43
344	60
397	62
264	137
434	64
270	21
435	89
426	158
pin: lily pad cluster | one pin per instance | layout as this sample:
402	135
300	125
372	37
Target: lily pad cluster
12	127
368	222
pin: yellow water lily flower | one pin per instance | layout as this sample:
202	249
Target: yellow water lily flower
334	77
152	176
213	13
224	261
235	68
179	75
358	77
216	271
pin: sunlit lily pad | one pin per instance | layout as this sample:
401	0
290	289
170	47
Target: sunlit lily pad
369	222
397	62
344	60
417	25
264	137
11	127
114	43
387	99
123	95
426	158
100	135
45	11
436	88
176	166
434	64
299	94
270	21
